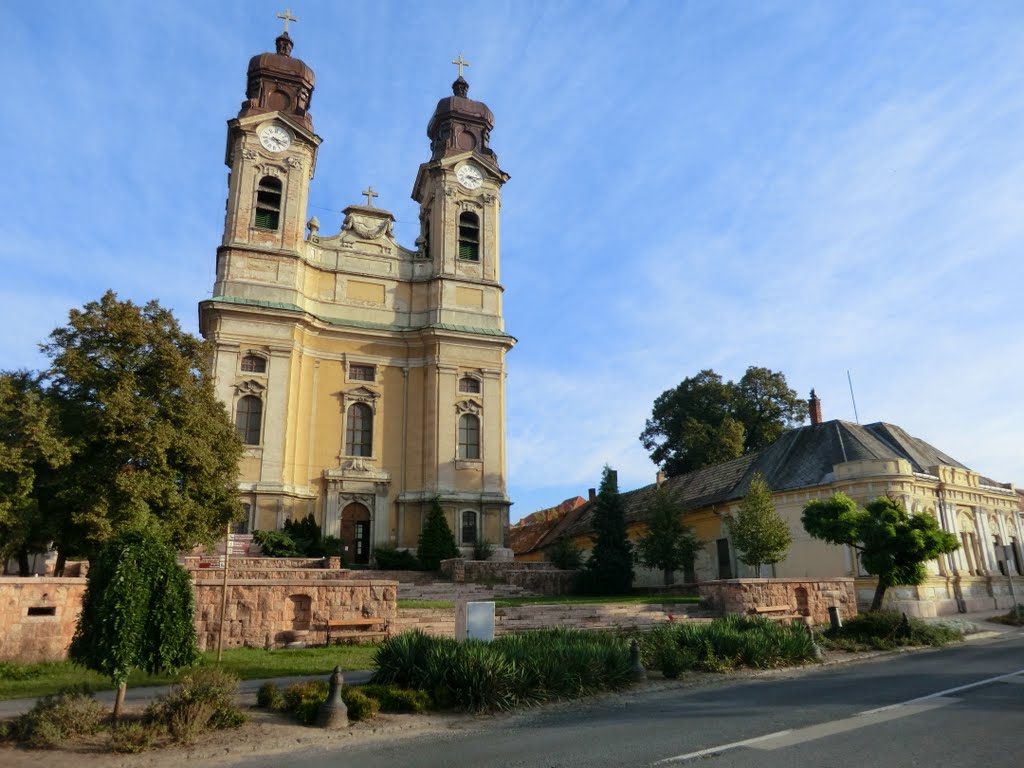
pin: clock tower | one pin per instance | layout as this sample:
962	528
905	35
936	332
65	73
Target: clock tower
366	378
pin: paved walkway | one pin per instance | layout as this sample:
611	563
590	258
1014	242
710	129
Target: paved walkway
246	688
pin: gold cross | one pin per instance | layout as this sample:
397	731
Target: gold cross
287	16
461	63
370	194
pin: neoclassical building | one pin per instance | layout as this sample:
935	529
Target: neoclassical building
365	378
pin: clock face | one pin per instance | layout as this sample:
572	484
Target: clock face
275	138
470	176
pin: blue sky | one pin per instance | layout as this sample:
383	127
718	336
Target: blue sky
811	187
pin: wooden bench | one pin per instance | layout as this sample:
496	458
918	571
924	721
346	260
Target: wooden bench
356	629
780	613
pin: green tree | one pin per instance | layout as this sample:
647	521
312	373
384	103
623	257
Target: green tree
152	446
610	567
669	544
705	420
436	541
564	554
137	612
759	534
893	544
30	445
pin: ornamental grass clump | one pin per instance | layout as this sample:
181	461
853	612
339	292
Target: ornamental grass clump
883	630
202	701
54	719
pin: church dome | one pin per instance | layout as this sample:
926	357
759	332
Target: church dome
460	124
279	83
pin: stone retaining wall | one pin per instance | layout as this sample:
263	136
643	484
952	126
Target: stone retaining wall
38	616
809	598
944	595
541	578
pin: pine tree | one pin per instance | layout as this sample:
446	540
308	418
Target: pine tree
610	567
437	542
669	544
759	534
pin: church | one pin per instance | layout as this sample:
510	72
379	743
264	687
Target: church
364	377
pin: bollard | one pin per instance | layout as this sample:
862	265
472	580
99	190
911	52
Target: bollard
834	618
637	672
333	713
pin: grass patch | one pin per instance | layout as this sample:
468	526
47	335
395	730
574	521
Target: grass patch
19	681
511	602
1014	617
884	630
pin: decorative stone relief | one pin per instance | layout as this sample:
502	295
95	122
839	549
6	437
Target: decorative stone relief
250	387
368	227
468	406
360	395
249	154
293	162
489	197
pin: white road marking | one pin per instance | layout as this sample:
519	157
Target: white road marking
789	737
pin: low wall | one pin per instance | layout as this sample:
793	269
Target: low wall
541	578
38	616
810	598
947	595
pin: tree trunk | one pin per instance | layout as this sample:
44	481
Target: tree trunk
670	577
119	701
62	559
23	566
876	603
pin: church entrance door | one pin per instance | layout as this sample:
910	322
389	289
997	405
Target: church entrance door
355	530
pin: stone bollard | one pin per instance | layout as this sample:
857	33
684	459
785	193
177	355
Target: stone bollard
834	618
333	713
636	672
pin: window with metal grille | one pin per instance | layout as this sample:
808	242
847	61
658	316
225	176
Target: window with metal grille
359	430
469	436
254	364
469	236
469	527
362	372
469	385
268	203
248	415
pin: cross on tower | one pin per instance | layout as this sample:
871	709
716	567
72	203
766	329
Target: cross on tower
287	16
460	62
370	194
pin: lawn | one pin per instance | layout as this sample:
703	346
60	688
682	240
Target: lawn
33	680
511	602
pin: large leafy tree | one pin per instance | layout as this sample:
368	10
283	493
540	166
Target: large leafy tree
436	542
705	420
610	567
152	446
30	446
669	544
893	544
759	534
137	612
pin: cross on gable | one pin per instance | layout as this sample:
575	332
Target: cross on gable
287	16
460	62
370	194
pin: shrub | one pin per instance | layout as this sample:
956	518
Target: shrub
303	699
395	699
131	738
53	719
269	697
203	700
391	559
436	542
482	550
565	554
359	705
882	630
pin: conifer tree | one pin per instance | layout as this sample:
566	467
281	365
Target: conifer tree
759	534
610	567
437	542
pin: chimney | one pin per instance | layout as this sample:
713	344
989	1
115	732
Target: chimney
659	479
592	492
814	404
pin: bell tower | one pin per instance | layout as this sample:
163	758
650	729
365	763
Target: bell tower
459	192
271	151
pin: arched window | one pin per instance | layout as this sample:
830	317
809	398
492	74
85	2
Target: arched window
268	203
469	385
248	415
469	436
469	236
359	430
254	364
469	527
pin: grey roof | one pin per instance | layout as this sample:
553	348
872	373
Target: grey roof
801	458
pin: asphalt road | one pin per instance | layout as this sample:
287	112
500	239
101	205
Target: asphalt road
962	706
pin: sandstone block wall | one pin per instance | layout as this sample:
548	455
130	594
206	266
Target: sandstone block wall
810	598
541	578
38	616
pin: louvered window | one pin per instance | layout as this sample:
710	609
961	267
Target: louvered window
469	237
268	203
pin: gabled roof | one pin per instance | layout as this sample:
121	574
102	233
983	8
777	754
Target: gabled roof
801	458
534	531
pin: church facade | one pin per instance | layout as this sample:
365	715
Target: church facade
365	378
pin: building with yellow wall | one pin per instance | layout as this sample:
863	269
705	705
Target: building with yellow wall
365	378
